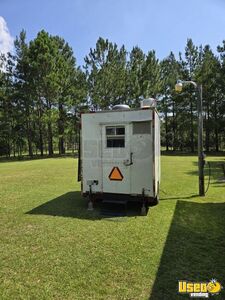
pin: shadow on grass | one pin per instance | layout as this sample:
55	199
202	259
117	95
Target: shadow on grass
73	205
179	198
188	153
36	157
194	249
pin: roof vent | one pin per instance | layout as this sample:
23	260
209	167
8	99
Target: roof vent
147	103
121	107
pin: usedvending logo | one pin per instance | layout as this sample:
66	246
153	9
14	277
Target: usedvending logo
199	289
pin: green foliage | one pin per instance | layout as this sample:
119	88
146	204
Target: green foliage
46	85
106	74
209	74
135	70
43	91
170	70
179	130
151	85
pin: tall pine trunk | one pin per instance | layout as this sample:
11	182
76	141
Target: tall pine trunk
174	129
30	148
29	139
192	129
166	127
49	127
40	127
207	128
61	130
50	139
216	128
216	138
28	129
41	144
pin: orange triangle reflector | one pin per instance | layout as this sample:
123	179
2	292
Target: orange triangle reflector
115	174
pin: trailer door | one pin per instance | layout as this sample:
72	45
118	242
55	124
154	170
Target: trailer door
142	149
116	158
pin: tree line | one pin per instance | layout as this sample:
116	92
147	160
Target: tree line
43	91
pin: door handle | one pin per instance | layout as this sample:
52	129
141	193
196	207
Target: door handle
131	158
127	162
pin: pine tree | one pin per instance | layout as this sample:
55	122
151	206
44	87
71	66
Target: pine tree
106	74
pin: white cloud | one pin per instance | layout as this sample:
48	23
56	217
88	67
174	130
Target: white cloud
6	40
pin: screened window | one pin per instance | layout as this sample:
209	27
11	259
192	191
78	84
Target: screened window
115	136
142	127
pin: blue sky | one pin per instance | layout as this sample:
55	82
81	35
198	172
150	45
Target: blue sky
152	24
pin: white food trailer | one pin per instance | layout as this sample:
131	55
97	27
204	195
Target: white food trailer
120	154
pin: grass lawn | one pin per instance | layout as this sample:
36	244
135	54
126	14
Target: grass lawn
51	247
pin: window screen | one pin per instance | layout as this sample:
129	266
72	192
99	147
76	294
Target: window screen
115	137
142	127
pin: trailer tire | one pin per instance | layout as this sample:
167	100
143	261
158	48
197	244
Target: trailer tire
154	201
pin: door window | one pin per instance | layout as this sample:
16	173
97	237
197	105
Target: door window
115	136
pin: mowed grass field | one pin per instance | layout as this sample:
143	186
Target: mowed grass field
51	247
